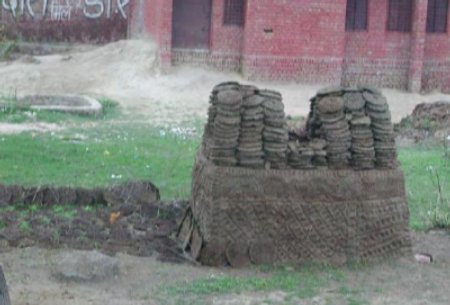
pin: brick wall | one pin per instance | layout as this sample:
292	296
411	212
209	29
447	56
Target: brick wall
306	41
436	64
377	56
71	20
226	44
158	25
295	40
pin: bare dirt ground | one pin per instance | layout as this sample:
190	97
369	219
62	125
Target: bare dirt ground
128	72
142	280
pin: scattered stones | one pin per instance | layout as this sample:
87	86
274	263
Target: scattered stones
423	258
84	266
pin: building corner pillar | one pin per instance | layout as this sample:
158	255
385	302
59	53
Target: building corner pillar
418	37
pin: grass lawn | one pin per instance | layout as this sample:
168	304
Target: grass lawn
102	151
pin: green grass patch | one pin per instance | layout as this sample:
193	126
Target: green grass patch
108	154
427	175
303	283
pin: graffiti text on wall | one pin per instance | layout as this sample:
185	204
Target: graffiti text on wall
63	9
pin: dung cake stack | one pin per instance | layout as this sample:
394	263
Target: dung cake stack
300	155
319	147
335	129
250	151
208	134
275	134
363	153
226	126
349	214
382	128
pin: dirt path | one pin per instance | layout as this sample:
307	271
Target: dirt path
128	72
142	281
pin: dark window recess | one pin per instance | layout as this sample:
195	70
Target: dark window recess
234	12
356	18
400	15
437	16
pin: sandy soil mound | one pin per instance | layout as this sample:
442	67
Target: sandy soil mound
128	72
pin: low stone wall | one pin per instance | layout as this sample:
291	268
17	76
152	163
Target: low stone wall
263	194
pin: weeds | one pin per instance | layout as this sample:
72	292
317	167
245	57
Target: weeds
300	284
421	184
64	211
439	210
6	47
24	226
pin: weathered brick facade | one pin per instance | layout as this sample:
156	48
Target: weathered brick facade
307	41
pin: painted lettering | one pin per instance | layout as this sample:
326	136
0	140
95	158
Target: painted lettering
99	7
121	4
65	9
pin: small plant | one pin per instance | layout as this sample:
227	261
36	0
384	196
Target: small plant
428	124
25	226
89	209
64	211
447	150
6	48
109	106
439	211
34	208
56	236
45	220
405	124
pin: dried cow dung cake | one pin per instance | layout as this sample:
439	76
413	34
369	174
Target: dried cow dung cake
275	134
226	127
250	149
247	127
260	213
335	130
363	152
377	109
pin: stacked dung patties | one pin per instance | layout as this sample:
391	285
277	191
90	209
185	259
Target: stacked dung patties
300	155
363	153
250	151
335	129
382	128
313	124
226	125
319	147
275	134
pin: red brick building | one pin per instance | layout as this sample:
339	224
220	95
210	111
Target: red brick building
390	43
